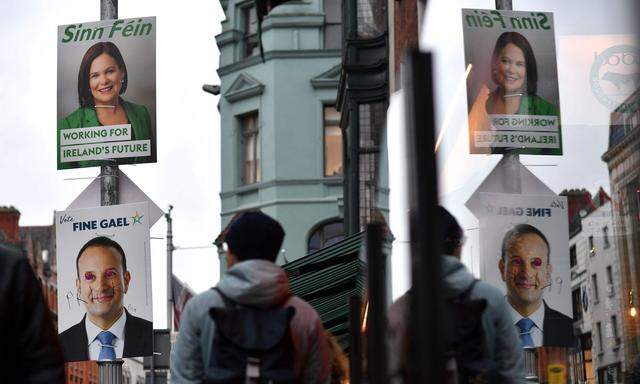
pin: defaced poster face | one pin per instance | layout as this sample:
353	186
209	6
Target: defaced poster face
524	243
106	93
104	282
512	87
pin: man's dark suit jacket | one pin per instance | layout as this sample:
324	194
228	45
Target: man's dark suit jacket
557	329
138	336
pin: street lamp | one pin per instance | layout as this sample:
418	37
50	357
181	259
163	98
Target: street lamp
212	89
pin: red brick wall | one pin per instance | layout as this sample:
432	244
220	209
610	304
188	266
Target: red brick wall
405	28
9	225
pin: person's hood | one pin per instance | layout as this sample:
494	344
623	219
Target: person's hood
456	276
256	283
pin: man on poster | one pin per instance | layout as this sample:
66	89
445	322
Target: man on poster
525	267
107	331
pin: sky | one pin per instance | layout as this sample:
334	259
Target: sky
187	173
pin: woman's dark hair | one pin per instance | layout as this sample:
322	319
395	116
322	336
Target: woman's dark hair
85	98
530	60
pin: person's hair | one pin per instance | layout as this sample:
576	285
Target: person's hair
520	230
449	231
338	361
254	235
530	60
102	241
85	98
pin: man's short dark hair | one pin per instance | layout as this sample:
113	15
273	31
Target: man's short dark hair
102	241
254	235
524	229
450	232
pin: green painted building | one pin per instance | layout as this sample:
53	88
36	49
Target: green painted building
281	143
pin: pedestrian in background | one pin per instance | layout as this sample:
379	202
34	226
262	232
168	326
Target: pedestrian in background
254	291
493	349
29	350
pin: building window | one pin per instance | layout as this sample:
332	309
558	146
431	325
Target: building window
325	235
592	246
332	142
332	24
371	122
250	142
250	31
614	330
576	300
594	287
610	287
599	332
605	237
573	256
371	18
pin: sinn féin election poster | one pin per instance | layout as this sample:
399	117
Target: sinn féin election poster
512	88
106	93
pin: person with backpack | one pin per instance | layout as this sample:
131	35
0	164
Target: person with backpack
250	328
481	340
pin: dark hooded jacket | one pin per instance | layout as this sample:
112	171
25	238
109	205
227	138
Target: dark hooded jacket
255	283
501	337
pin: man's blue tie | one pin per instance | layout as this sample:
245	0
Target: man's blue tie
107	350
524	325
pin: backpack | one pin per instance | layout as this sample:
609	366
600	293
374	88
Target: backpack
251	345
465	340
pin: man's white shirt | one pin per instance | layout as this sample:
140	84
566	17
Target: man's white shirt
538	323
118	331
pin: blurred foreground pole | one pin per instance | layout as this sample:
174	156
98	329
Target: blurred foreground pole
426	324
376	324
355	354
110	372
170	249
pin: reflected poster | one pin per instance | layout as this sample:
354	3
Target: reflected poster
512	84
524	251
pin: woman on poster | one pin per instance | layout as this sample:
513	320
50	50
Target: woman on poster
515	72
102	80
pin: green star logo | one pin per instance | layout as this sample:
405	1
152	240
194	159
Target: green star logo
137	218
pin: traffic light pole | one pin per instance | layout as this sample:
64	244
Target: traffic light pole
110	371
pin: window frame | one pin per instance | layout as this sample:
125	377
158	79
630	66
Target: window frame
573	256
332	24
600	337
322	225
594	288
243	135
245	27
325	105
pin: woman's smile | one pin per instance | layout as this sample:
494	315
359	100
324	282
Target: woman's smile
511	69
105	80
